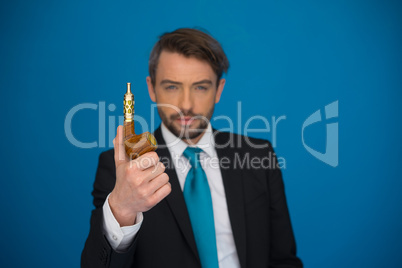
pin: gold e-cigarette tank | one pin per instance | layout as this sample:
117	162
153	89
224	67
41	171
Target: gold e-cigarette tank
135	145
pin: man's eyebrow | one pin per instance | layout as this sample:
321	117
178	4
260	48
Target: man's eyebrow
167	81
205	81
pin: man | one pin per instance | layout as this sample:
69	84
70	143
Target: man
190	211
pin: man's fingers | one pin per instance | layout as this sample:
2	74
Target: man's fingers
161	193
153	172
120	155
158	182
148	160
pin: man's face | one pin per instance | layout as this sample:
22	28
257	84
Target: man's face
186	92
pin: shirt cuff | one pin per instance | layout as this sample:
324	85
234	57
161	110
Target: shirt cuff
120	238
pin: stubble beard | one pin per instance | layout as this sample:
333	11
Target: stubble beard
186	133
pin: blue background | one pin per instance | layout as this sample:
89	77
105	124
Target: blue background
287	58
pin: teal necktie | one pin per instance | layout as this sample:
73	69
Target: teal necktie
199	205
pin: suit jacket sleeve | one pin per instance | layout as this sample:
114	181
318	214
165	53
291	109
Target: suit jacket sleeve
282	242
97	250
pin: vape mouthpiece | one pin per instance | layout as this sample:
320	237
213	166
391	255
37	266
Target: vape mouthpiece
128	104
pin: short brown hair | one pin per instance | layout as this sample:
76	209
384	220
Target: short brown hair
190	43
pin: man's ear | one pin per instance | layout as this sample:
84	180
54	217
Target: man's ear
151	89
219	90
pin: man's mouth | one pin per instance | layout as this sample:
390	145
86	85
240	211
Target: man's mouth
185	120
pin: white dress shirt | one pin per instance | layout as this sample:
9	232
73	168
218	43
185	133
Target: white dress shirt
120	238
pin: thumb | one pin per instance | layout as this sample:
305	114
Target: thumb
119	150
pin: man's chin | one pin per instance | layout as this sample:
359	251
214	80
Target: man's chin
186	132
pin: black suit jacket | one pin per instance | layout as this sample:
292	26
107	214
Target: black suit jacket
256	204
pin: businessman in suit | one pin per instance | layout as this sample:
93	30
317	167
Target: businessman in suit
205	198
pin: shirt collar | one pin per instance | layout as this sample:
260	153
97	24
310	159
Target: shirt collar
177	146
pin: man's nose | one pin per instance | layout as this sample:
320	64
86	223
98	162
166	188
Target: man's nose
186	102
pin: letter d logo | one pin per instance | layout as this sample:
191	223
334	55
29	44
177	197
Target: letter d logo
330	156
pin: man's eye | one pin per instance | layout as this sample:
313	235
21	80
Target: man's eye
171	87
201	88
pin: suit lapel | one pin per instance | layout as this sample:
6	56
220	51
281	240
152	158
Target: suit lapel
175	199
233	185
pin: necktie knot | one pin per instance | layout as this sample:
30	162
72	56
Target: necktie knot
193	156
